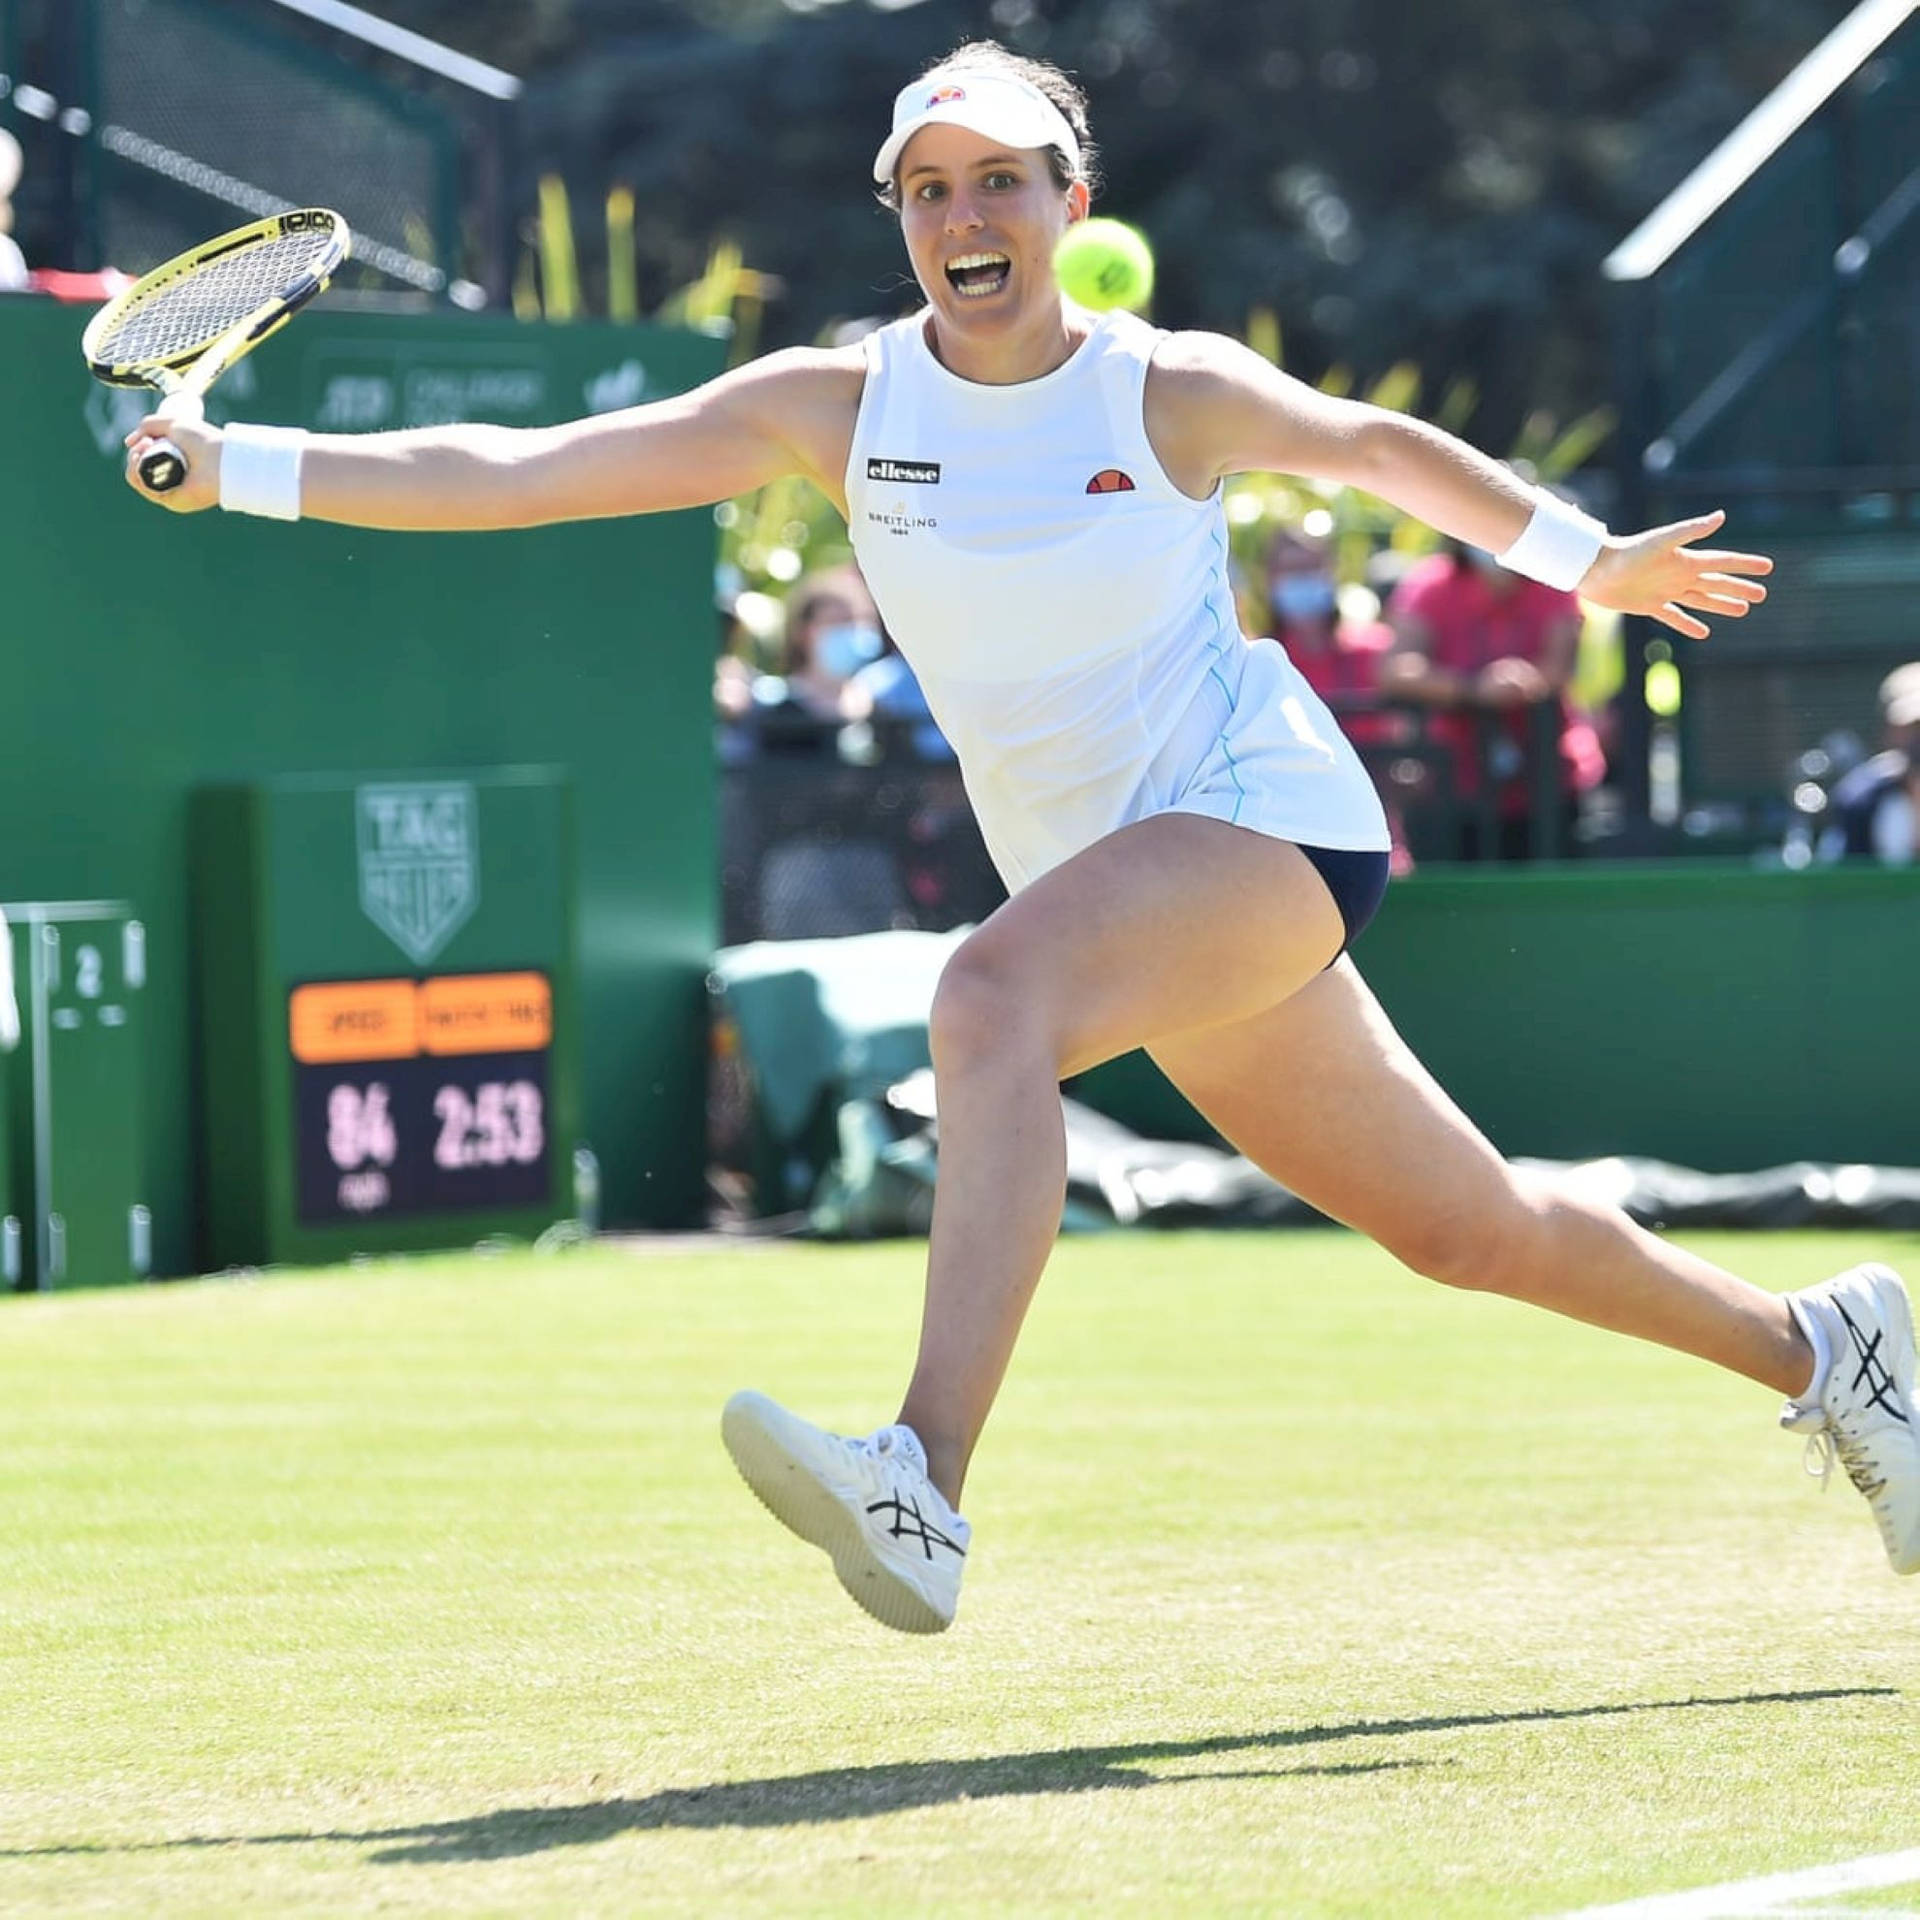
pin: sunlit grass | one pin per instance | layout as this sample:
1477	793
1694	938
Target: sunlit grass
1298	1587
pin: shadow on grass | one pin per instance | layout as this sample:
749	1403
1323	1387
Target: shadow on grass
859	1793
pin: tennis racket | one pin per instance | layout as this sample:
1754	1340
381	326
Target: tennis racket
180	327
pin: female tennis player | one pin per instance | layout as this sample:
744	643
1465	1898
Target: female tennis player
1190	845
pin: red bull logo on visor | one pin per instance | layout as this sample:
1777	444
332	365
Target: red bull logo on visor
941	95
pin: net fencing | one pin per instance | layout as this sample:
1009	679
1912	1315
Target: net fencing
186	117
1782	333
1771	366
202	121
812	847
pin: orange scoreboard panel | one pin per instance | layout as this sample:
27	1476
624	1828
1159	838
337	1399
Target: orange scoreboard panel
421	1096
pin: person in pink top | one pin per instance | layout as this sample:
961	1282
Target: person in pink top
1339	659
1471	639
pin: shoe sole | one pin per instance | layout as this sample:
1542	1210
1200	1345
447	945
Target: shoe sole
802	1505
1897	1307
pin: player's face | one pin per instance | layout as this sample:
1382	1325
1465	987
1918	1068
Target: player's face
981	222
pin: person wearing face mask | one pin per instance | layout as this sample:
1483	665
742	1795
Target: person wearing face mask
1472	639
888	690
1338	658
832	632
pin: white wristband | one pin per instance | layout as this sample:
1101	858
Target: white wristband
260	471
1557	545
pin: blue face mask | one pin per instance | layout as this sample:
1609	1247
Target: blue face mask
843	650
1300	597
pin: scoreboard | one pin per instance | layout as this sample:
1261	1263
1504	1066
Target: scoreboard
425	1096
386	973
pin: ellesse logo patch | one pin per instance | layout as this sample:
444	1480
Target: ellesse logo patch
1110	480
920	473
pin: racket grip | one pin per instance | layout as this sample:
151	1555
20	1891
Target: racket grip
162	467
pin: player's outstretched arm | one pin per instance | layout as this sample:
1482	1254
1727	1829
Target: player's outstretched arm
752	425
1221	409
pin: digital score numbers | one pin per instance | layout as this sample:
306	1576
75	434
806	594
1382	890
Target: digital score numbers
421	1096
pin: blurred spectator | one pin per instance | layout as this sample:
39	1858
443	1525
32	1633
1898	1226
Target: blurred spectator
887	690
1339	658
13	265
1484	648
833	630
827	632
1873	812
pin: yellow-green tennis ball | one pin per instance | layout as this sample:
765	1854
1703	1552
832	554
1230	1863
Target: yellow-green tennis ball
1104	263
1663	688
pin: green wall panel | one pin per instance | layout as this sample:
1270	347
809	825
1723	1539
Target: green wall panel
1717	1016
145	655
75	1086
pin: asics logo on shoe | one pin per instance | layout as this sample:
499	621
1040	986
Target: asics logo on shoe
1881	1390
907	1522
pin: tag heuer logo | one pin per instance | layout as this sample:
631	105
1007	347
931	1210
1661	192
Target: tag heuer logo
923	473
419	862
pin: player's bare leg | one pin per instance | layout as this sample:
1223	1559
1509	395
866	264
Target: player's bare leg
1365	1135
1117	944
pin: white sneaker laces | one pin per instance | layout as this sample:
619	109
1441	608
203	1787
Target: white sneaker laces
1826	1446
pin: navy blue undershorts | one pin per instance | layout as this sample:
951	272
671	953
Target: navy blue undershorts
1357	881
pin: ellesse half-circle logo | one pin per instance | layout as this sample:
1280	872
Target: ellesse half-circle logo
1110	480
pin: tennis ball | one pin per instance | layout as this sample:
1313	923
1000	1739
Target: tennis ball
1104	263
1663	688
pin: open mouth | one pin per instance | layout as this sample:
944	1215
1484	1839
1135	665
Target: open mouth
975	275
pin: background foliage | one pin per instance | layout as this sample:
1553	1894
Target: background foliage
1433	181
1407	200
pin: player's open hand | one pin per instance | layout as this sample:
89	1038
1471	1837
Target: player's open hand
1662	574
199	446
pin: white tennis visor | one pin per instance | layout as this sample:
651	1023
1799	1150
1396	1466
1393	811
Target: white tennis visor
998	105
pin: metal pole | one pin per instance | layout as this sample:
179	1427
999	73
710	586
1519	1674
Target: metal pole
1544	778
1635	316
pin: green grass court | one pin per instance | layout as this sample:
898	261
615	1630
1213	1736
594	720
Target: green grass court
1299	1587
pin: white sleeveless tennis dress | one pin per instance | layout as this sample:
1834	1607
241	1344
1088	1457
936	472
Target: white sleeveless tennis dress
1069	613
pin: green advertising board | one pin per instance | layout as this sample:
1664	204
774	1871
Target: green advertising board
388	1010
76	1121
12	1245
146	655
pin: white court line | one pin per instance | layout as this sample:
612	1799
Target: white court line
1753	1899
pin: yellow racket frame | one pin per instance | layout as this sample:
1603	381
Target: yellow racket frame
183	377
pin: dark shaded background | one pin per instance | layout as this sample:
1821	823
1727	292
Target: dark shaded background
1433	180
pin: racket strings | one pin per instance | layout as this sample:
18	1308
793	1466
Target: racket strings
187	314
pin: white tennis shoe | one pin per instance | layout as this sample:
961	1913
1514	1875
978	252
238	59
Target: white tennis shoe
897	1546
1863	1413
